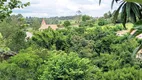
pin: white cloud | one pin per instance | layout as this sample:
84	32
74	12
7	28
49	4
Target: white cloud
48	8
91	0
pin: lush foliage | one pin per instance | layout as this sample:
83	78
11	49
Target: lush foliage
68	66
87	21
91	51
76	53
21	67
67	23
6	7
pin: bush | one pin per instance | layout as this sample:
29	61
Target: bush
11	71
68	67
87	23
67	23
123	74
85	17
23	66
18	41
102	22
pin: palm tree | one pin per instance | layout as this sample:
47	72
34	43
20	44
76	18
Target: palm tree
138	1
138	28
129	10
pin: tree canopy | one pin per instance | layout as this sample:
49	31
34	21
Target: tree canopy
6	7
90	51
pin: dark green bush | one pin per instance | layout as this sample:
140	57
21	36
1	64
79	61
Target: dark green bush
67	23
68	67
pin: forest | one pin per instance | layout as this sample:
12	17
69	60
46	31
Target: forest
81	48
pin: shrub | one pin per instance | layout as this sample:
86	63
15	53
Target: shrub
68	67
18	41
85	17
123	74
67	23
23	66
102	22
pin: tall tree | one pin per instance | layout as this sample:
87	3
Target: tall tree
78	16
6	7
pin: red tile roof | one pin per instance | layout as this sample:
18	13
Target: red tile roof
45	26
43	22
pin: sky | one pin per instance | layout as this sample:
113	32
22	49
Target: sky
52	8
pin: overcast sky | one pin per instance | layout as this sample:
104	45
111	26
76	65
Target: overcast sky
51	8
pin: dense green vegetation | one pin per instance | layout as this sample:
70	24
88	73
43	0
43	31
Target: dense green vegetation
91	51
73	53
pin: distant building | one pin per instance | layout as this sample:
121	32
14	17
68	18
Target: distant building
46	26
29	35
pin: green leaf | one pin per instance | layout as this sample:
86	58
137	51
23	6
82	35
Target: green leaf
128	8
133	16
100	2
136	10
138	23
138	1
115	16
136	50
112	4
124	16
